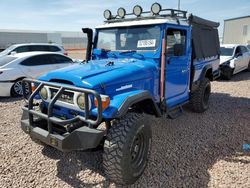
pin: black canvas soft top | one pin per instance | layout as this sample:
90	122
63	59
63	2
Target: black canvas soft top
205	37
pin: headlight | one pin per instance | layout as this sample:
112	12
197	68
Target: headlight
81	101
44	93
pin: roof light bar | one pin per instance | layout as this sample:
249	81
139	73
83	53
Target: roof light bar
156	8
137	10
156	11
107	14
121	12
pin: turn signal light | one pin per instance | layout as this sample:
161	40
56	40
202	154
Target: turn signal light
105	100
33	87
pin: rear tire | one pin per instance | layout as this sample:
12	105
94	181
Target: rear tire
200	97
227	73
126	149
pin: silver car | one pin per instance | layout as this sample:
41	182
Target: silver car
234	59
32	47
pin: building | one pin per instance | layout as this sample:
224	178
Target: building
237	30
69	40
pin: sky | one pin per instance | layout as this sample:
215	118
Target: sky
72	15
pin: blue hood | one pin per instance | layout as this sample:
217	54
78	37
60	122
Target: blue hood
108	72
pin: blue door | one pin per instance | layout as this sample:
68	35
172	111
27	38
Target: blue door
177	72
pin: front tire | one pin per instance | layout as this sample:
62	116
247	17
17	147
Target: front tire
16	90
248	68
126	149
227	73
200	97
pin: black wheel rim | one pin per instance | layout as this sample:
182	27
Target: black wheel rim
137	151
206	95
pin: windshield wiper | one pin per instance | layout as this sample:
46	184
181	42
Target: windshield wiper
133	52
128	51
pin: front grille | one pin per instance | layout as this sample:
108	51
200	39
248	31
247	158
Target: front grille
67	97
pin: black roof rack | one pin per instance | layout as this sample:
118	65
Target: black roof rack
174	13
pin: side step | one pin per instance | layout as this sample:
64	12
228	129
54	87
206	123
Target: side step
175	112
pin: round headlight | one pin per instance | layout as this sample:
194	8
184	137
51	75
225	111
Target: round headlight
156	8
107	14
44	93
121	12
81	101
137	10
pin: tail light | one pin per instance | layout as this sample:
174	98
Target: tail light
66	53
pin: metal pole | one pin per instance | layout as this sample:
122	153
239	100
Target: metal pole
179	4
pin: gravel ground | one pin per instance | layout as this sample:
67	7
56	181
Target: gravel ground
195	150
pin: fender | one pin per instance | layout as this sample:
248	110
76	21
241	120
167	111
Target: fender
120	104
140	97
195	85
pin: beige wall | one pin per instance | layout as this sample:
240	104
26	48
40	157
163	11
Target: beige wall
233	31
77	53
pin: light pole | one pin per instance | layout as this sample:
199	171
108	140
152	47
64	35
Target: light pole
179	4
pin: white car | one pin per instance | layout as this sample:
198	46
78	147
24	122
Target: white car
13	68
234	59
33	47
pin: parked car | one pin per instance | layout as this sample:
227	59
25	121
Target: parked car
146	64
13	68
234	59
31	47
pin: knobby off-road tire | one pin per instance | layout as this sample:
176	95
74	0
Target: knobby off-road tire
200	98
126	149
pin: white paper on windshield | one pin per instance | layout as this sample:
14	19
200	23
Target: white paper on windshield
146	43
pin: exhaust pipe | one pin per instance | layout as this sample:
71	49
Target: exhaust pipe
89	33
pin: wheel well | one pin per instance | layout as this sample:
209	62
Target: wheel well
209	74
147	106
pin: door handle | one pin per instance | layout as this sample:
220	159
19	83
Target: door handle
184	71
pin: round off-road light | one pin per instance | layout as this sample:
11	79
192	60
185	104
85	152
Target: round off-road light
107	14
121	12
81	101
137	10
44	93
156	8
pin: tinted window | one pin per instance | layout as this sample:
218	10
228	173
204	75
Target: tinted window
57	59
176	42
243	49
238	51
53	49
39	48
22	49
6	59
37	60
224	51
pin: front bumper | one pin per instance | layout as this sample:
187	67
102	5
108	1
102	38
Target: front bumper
5	88
80	139
44	126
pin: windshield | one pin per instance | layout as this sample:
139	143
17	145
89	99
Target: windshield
7	50
6	59
129	39
226	51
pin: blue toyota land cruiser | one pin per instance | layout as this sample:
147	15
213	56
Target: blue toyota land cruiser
137	64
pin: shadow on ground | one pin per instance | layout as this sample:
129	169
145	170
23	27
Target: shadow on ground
241	76
10	99
183	149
